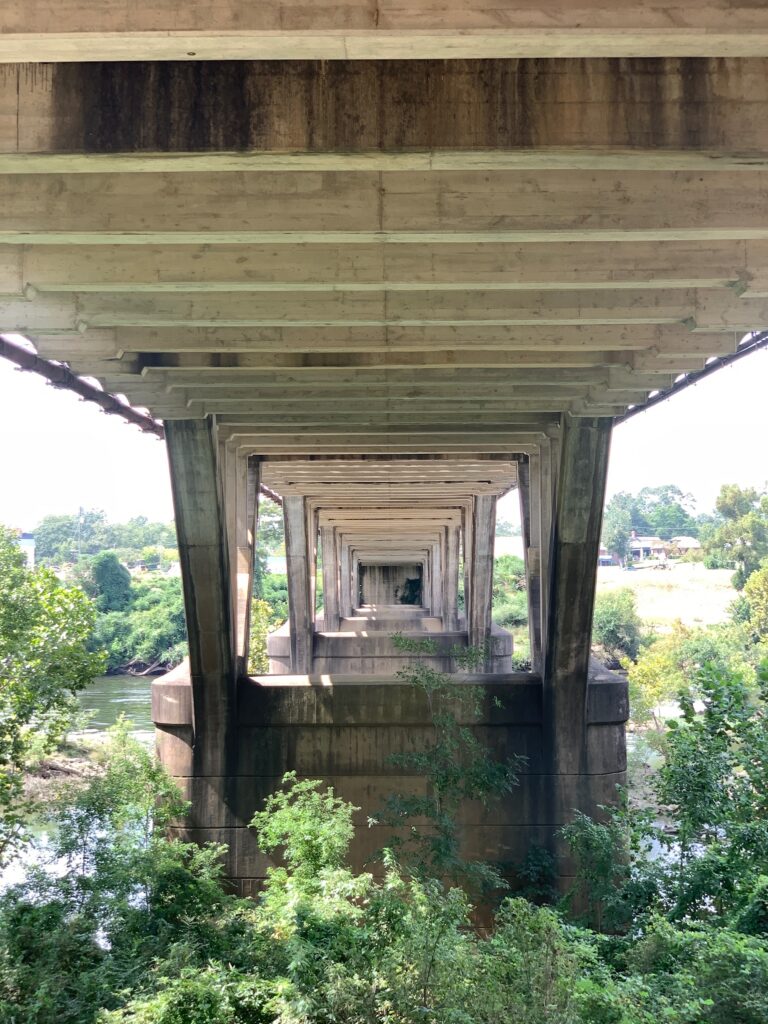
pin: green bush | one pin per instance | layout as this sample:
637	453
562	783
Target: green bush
513	611
616	626
139	930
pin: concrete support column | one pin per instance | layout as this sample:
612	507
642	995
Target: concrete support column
549	456
248	474
576	526
300	612
437	579
330	580
451	579
466	551
206	579
312	535
346	594
228	482
481	569
529	491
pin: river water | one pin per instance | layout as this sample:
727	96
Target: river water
108	697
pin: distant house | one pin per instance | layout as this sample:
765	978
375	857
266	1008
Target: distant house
685	544
605	557
647	547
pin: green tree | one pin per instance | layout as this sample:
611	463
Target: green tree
44	661
112	582
741	539
617	526
261	621
506	528
271	534
667	511
151	632
510	598
60	539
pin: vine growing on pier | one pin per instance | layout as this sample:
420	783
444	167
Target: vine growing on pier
455	767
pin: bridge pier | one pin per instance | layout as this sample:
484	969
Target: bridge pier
336	710
195	710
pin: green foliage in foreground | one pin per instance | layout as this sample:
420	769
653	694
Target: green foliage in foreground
44	661
139	930
710	859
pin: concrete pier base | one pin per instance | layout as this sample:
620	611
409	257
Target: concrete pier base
344	728
364	644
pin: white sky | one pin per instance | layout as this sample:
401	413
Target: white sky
58	453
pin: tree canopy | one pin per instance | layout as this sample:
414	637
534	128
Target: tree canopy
44	660
740	539
62	539
663	512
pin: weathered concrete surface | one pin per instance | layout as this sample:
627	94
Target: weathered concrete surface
345	729
371	649
709	105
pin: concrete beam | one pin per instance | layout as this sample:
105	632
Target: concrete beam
258	268
119	31
586	110
363	208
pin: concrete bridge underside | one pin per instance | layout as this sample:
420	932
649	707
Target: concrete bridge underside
391	261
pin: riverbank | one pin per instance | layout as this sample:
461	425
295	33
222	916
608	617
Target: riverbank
75	763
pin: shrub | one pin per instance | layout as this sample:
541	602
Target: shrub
261	621
756	594
616	626
513	611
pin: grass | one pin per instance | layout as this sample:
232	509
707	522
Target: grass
687	592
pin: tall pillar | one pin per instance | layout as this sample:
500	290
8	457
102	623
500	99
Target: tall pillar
300	615
248	474
529	491
466	550
205	573
575	547
347	597
451	579
228	477
549	456
330	580
481	569
312	534
436	562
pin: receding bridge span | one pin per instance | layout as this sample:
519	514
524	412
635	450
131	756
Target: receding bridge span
390	261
